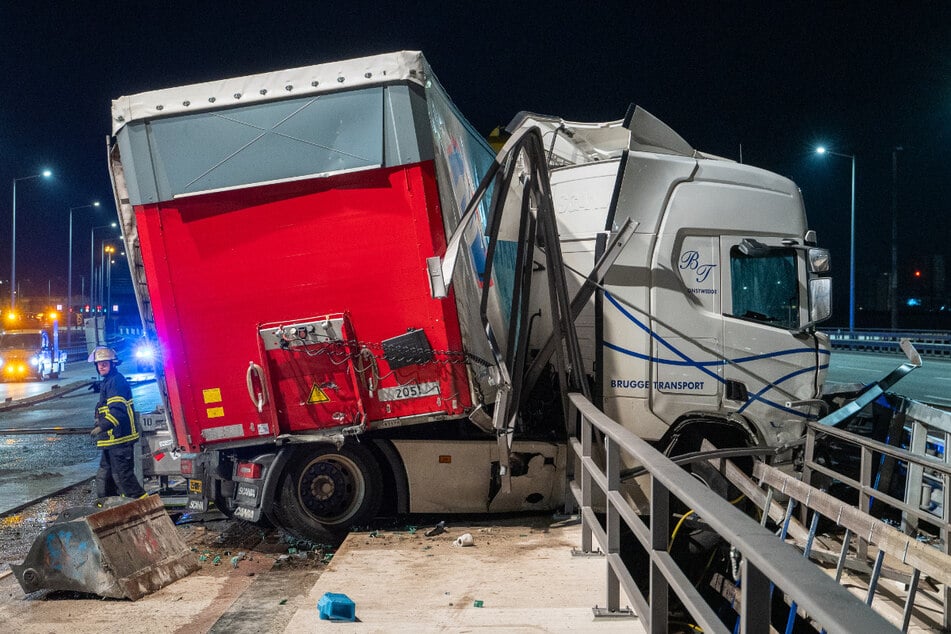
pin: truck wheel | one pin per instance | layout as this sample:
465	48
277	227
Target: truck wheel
706	473
327	490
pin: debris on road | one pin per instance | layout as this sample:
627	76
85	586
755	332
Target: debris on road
116	549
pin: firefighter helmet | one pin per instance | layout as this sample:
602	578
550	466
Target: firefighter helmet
103	353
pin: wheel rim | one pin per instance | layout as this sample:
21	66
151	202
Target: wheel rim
331	488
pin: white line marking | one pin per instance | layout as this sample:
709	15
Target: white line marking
839	366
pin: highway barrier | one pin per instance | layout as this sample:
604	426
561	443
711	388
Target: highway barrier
927	343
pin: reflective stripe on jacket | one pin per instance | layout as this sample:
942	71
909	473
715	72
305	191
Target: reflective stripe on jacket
114	413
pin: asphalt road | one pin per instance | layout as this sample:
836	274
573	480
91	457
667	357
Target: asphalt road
931	383
29	461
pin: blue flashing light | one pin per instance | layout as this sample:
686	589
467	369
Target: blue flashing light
144	352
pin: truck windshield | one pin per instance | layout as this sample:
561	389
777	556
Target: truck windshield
10	341
765	287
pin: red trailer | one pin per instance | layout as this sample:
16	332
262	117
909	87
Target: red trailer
279	227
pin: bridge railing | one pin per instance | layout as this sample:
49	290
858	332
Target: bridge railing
766	560
909	474
927	342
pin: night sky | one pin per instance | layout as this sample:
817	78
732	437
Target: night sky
770	80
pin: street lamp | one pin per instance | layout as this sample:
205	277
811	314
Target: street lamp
822	150
92	255
13	249
69	277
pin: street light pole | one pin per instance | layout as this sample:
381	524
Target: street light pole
852	257
92	265
106	273
108	250
893	281
13	236
69	278
822	150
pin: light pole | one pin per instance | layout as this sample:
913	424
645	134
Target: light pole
893	281
69	277
822	150
92	261
105	272
107	251
13	238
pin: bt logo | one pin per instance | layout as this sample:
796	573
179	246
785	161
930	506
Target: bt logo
690	261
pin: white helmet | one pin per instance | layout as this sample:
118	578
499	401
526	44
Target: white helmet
103	353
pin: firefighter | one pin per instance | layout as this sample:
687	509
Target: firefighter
115	431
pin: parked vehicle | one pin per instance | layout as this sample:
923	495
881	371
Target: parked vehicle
143	354
28	352
360	308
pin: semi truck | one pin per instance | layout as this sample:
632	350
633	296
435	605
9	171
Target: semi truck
29	348
360	309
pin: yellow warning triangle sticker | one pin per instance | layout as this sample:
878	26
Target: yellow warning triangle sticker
317	395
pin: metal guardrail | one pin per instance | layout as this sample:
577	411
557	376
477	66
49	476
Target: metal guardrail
766	560
927	342
926	493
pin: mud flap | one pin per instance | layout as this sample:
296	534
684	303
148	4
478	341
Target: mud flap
124	550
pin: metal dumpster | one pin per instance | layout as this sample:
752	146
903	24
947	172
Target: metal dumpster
118	549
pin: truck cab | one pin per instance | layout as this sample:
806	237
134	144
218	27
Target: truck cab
704	327
27	354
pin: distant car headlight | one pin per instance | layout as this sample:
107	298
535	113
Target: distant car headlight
34	360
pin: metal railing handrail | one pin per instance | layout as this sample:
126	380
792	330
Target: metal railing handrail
766	559
927	342
943	335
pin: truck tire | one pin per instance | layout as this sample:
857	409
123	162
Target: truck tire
327	490
720	436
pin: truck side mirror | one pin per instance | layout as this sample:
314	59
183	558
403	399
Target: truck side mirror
820	299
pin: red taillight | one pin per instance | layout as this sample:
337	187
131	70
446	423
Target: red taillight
186	466
250	470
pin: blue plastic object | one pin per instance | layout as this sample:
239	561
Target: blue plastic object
334	606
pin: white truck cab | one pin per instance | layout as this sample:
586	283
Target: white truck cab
704	325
